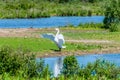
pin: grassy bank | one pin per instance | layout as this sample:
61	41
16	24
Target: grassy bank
44	8
77	39
43	45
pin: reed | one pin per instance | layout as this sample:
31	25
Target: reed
44	8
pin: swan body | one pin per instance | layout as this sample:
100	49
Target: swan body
58	39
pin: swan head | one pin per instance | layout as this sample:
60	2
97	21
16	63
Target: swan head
57	29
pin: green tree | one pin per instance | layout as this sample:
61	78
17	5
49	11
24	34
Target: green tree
112	14
18	62
70	66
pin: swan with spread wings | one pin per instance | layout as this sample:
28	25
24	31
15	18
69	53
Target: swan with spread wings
58	39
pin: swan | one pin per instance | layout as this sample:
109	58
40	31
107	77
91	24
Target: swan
58	39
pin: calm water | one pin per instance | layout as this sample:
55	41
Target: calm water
55	63
48	22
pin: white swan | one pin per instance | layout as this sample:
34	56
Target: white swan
58	38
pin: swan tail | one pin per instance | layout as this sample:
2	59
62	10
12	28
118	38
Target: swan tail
63	46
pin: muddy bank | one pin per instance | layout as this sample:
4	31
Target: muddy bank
77	53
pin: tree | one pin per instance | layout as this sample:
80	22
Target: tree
112	14
70	66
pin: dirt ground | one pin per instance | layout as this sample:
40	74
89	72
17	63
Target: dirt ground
22	32
34	32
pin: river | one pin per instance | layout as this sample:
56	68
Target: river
49	22
55	63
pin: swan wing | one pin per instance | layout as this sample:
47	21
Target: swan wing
48	36
61	38
60	43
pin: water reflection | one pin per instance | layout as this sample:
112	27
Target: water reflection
56	63
58	66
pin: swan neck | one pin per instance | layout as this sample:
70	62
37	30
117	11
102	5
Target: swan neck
57	32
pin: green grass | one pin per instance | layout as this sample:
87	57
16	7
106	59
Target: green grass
33	44
70	33
43	45
82	34
8	77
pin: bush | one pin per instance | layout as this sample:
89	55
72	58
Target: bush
112	15
9	61
100	68
21	62
114	27
70	66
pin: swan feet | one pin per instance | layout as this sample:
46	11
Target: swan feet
59	49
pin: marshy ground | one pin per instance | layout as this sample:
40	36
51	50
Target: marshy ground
78	41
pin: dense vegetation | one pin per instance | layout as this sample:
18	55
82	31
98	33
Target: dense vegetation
100	69
46	8
64	1
21	66
18	63
112	16
21	63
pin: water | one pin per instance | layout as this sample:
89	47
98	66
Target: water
48	22
55	63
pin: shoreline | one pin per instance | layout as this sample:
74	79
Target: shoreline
110	46
78	53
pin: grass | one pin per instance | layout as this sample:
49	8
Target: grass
8	77
60	78
33	44
78	33
41	45
90	33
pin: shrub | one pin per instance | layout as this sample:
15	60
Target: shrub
100	68
21	62
70	66
112	15
8	61
114	27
